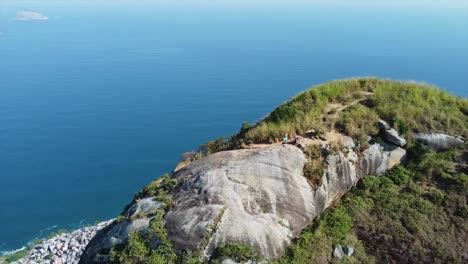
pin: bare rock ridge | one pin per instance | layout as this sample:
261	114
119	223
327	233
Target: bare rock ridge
254	196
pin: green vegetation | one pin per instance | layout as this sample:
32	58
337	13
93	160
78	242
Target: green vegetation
338	224
420	108
416	212
317	241
211	230
216	145
358	122
306	110
152	247
158	189
240	252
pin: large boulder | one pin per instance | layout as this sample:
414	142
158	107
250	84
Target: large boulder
257	196
379	158
390	135
439	141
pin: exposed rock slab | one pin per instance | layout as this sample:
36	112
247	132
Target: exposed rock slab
379	158
265	198
144	206
254	196
439	141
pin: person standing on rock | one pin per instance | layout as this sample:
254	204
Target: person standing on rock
285	138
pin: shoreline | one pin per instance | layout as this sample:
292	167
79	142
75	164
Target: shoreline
62	248
47	233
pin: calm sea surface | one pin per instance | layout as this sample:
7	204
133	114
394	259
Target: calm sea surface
97	102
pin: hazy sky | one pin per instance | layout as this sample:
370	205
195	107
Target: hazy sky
421	3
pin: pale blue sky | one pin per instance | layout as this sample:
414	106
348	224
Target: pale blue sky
421	3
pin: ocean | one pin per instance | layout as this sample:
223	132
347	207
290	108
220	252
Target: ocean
98	101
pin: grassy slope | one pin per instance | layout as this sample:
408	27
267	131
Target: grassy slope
408	106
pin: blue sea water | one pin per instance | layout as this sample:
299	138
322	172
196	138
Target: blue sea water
97	102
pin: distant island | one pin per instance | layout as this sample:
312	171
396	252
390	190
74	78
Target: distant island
29	15
361	170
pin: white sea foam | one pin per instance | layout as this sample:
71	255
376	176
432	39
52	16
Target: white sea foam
9	252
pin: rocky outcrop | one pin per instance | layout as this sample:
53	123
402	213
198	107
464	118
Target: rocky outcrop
140	215
340	252
380	157
254	196
439	141
261	194
390	135
65	248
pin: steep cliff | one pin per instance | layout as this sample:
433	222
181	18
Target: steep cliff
249	197
254	196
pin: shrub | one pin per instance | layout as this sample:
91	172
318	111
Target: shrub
314	152
338	223
239	252
437	197
158	187
371	183
399	175
462	180
403	128
134	252
313	171
245	127
214	146
142	249
314	168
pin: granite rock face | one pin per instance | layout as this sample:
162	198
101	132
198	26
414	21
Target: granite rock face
380	157
254	196
439	141
258	196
